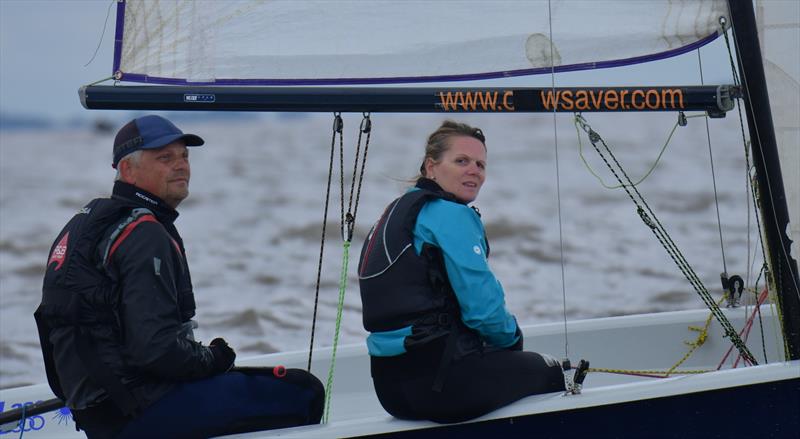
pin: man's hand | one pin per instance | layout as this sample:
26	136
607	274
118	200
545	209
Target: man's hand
223	355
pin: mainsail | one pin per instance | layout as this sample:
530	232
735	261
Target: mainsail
356	42
779	33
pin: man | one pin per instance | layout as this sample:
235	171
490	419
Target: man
115	319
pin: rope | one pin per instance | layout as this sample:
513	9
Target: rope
783	255
652	221
746	329
102	34
649	171
693	345
22	420
338	124
750	188
648	373
339	308
782	250
760	322
348	225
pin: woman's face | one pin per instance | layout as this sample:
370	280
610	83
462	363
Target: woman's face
461	169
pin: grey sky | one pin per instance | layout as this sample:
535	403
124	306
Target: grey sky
44	45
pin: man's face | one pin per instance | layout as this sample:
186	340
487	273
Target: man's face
164	172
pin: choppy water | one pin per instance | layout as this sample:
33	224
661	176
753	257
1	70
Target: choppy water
253	222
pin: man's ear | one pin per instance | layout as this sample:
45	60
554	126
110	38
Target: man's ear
126	171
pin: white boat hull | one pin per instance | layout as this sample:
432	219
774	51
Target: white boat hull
721	403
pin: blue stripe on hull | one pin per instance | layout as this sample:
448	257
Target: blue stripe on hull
766	410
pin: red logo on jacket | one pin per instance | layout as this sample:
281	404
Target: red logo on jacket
59	253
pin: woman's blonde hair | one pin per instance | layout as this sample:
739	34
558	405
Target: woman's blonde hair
437	141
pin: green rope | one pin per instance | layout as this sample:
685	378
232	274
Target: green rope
340	306
652	168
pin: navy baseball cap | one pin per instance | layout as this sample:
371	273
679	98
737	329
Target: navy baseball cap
149	132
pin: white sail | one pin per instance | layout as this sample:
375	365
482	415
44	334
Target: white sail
296	42
779	34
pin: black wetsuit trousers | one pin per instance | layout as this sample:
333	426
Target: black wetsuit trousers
472	386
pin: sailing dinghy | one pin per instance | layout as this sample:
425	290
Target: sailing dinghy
739	376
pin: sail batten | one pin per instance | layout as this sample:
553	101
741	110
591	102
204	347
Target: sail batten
352	42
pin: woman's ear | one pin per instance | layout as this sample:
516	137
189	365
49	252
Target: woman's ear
429	163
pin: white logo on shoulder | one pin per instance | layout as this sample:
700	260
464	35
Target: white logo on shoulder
477	250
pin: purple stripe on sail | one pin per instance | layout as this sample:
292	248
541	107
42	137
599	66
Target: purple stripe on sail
118	36
420	79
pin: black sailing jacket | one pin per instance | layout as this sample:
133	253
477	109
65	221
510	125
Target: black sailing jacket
117	303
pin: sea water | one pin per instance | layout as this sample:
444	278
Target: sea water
562	245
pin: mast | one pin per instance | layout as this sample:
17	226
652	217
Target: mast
772	197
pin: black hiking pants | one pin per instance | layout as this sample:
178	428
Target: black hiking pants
472	386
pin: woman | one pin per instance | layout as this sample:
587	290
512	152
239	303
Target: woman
443	346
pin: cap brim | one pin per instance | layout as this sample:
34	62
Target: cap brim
189	139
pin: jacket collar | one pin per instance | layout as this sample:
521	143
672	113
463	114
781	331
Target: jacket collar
140	197
430	185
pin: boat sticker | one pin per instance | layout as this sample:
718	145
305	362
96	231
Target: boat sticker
200	98
63	415
29	423
564	99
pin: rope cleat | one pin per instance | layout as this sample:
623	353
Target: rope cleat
574	384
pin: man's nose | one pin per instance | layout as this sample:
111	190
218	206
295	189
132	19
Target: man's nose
181	163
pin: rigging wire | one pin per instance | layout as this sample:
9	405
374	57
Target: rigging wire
749	169
558	183
651	220
778	276
713	173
